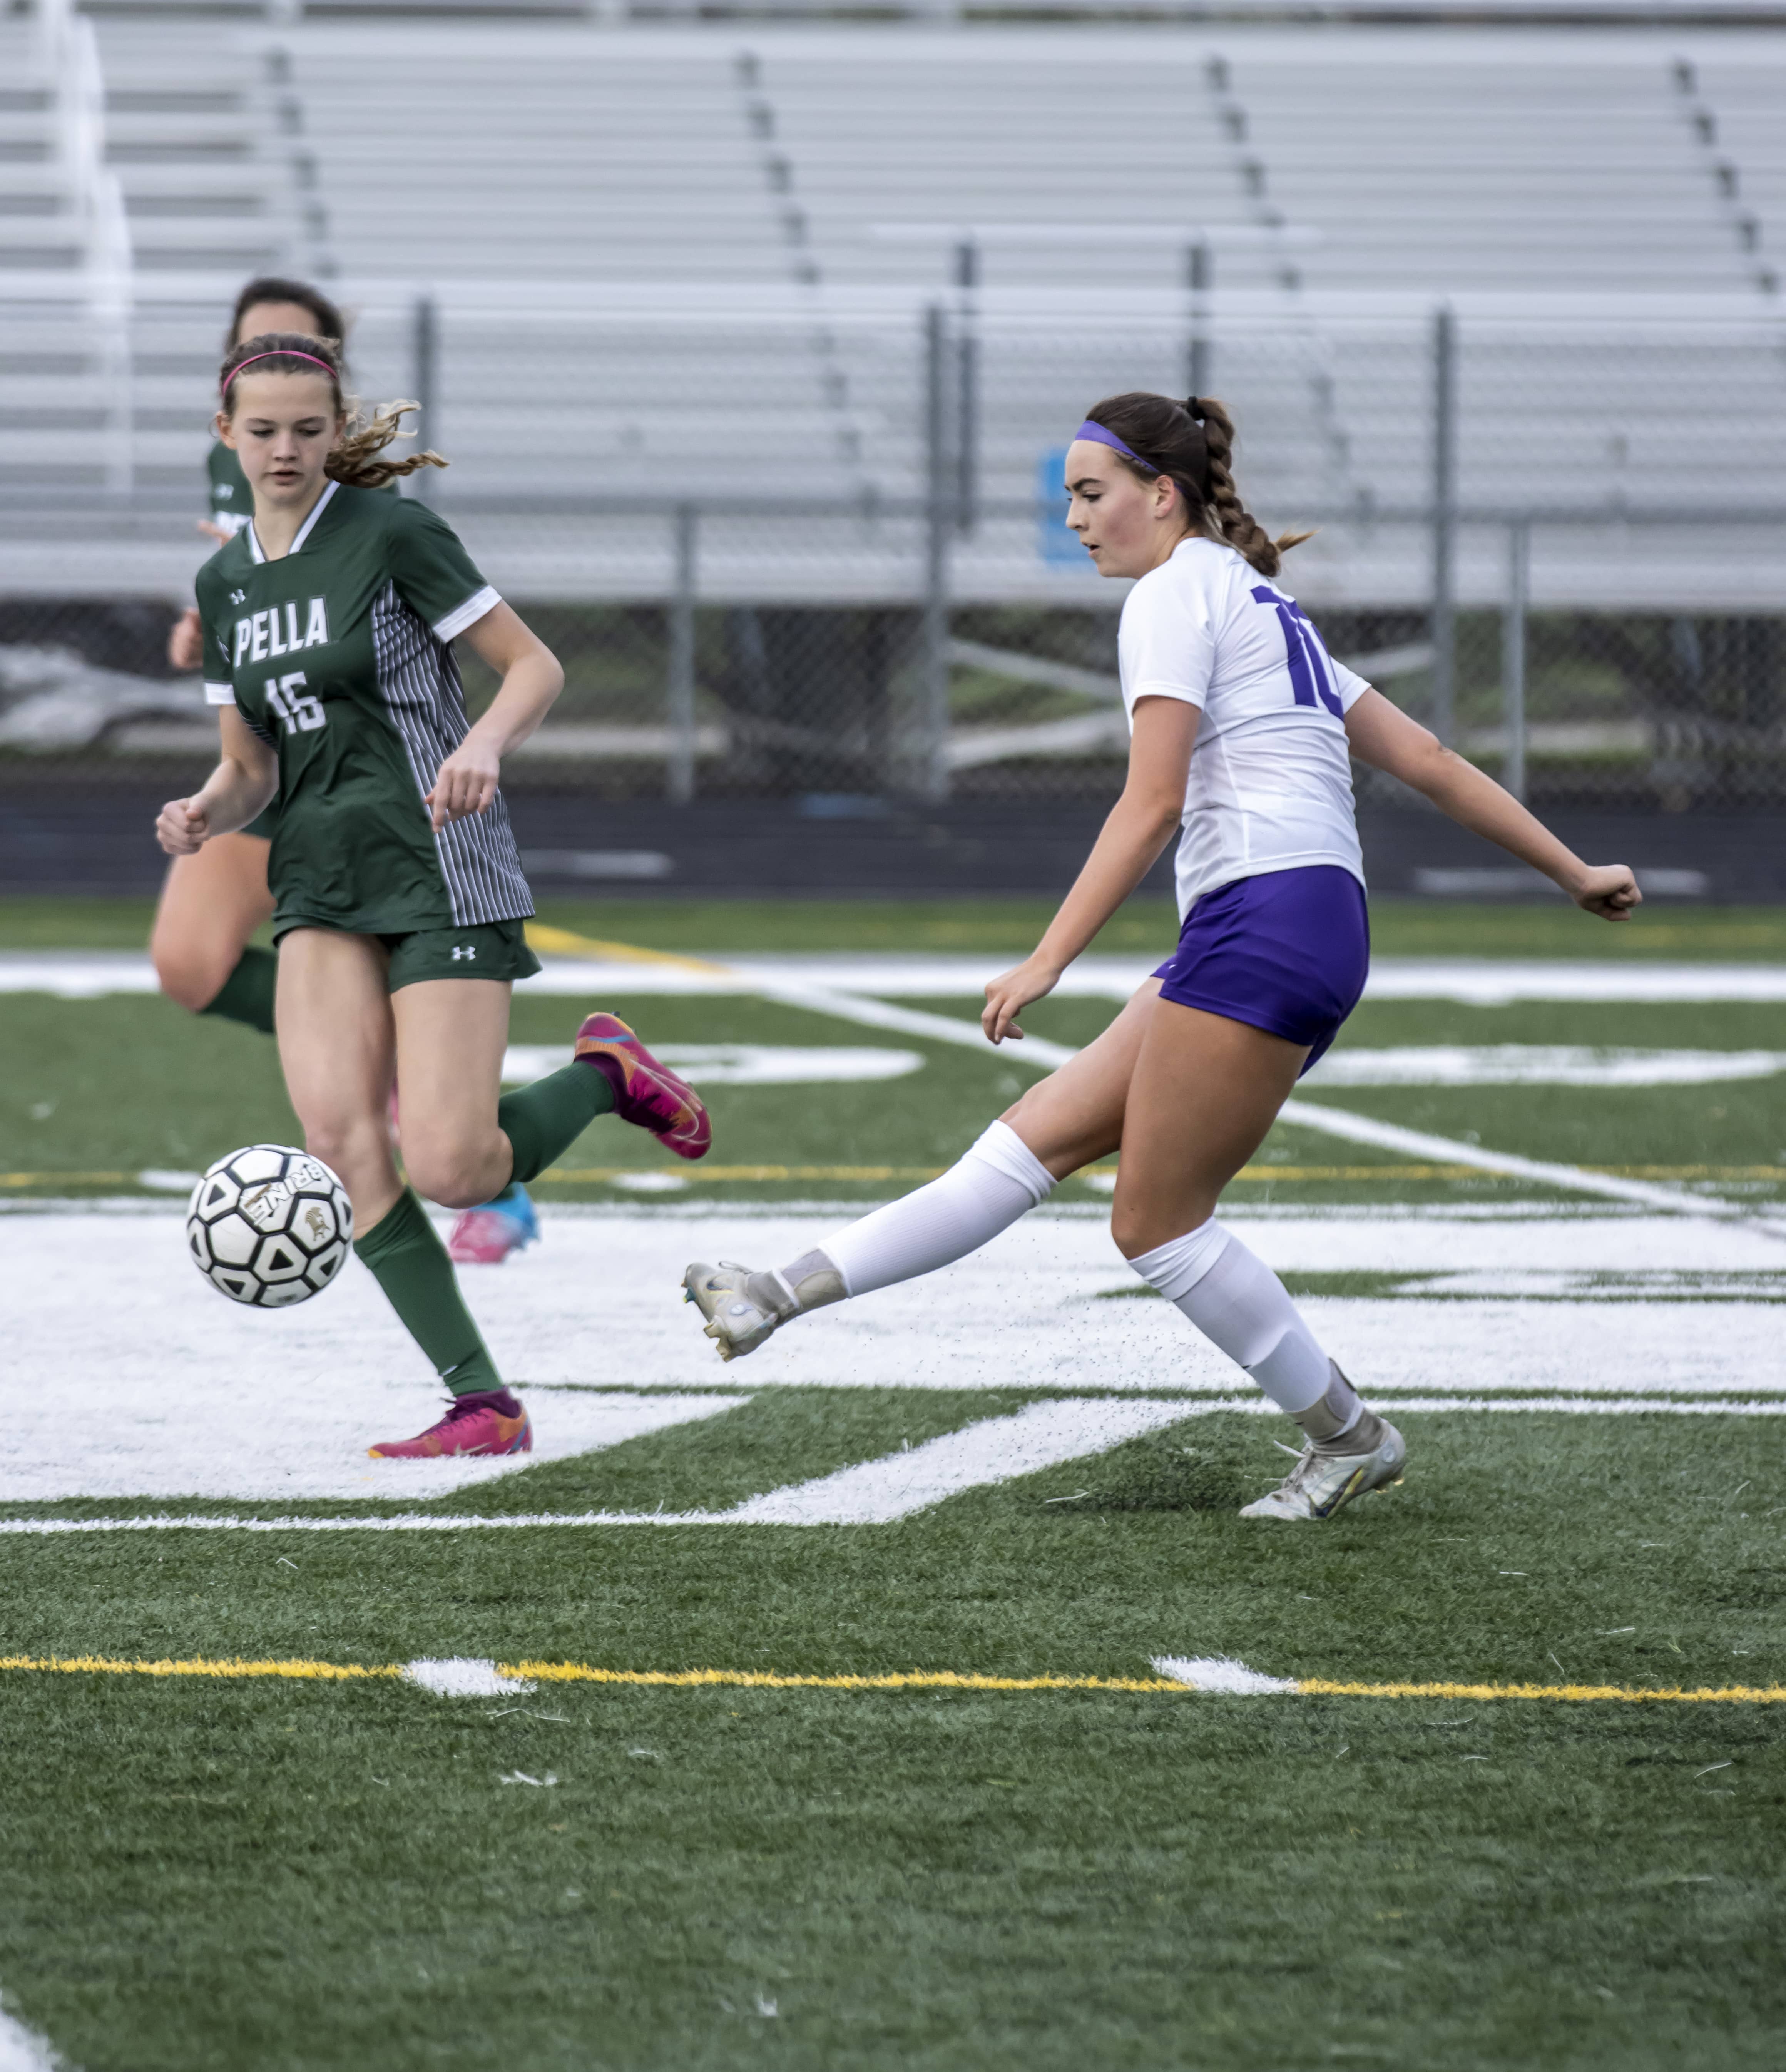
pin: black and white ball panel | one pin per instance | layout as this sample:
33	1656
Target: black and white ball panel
269	1225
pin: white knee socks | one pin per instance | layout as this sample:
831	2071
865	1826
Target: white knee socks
998	1179
1234	1298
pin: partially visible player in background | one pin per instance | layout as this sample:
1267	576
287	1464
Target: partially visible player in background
211	903
1241	725
399	898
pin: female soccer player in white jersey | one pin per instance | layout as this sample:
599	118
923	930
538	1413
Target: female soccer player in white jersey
213	902
1241	725
397	893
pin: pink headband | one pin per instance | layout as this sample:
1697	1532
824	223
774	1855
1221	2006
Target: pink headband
280	353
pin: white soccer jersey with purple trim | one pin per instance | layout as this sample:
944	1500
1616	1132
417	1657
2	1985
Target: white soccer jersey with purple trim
1270	784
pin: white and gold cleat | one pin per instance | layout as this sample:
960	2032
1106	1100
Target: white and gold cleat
1322	1481
743	1310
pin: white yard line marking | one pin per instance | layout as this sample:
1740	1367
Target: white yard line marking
1036	1051
105	1430
1474	981
22	2049
1220	1674
739	1065
464	1676
996	1449
410	1521
786	981
1492	982
845	1497
1535	1064
122	1327
1420	1143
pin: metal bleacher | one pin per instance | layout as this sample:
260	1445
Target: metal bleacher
695	259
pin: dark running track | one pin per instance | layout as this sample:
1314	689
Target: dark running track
59	836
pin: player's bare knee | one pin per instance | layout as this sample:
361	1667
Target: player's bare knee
1131	1231
351	1146
1063	1151
1138	1227
188	975
447	1173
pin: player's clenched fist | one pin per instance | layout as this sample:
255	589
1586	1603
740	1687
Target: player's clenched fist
182	827
467	783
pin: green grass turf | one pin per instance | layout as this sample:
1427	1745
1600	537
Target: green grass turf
205	1875
109	1086
1000	927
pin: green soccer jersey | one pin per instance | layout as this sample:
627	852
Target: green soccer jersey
338	656
231	500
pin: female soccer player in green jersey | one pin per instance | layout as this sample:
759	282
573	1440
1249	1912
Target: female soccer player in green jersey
398	898
212	903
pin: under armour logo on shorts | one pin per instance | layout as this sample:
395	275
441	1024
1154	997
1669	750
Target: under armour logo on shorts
467	950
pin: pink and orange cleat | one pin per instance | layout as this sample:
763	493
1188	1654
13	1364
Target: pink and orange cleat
490	1420
645	1092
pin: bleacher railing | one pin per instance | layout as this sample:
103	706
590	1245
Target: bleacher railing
798	543
1642	13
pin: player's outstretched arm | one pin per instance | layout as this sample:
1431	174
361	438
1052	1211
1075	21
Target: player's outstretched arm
532	677
1382	735
241	786
1140	824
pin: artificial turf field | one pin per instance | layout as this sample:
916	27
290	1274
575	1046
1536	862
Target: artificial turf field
1039	1848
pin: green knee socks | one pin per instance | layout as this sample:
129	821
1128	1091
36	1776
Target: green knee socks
548	1116
409	1263
246	995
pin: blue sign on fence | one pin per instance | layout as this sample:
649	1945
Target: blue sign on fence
1053	541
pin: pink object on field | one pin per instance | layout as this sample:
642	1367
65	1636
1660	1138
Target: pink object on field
485	1236
492	1421
645	1092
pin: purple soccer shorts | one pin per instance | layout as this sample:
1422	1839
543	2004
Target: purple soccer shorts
1287	951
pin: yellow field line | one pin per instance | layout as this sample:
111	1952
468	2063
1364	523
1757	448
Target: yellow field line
564	943
67	1179
1570	1694
765	1680
200	1666
911	1679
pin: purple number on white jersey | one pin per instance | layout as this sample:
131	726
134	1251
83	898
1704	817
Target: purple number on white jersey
1311	672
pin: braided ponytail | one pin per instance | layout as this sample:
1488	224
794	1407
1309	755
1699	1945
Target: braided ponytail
1193	442
355	462
1231	518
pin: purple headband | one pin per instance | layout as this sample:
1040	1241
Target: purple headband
285	352
1099	436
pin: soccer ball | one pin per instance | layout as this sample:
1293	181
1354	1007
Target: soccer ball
269	1225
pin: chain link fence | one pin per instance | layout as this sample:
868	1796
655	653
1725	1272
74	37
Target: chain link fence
817	551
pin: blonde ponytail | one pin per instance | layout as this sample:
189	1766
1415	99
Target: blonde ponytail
355	462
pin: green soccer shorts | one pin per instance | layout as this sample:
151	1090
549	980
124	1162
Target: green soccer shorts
490	949
494	949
